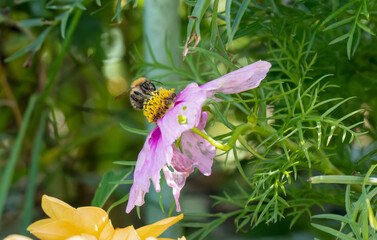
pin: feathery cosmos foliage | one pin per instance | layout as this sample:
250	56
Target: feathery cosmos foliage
305	138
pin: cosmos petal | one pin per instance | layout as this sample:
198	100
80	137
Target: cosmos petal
188	106
194	152
154	155
241	80
176	180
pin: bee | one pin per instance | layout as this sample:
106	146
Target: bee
140	90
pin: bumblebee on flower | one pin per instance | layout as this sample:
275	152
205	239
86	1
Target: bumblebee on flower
181	117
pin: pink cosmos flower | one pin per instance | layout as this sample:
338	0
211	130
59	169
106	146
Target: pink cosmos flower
174	123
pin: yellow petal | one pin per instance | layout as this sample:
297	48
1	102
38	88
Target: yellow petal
127	233
53	230
57	209
90	220
39	224
88	237
107	231
76	238
16	237
155	229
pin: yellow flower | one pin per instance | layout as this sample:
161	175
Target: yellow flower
87	223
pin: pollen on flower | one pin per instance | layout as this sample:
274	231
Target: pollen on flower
159	104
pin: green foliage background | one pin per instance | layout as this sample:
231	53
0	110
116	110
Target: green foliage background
62	63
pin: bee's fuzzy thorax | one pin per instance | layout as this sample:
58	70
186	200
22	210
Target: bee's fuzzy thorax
138	81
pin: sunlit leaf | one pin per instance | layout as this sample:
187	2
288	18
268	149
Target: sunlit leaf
32	47
105	187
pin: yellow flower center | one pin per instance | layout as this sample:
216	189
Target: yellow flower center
159	104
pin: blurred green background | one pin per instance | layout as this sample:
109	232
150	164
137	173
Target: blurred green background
78	120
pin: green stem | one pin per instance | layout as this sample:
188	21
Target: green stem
211	140
8	172
237	135
343	179
33	172
59	60
225	147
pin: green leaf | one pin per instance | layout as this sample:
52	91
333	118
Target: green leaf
333	217
350	114
365	7
337	12
340	23
237	20
32	47
10	166
228	18
343	179
190	3
332	130
338	39
198	12
118	10
302	143
31	22
216	56
79	5
33	172
214	28
333	232
105	187
319	130
366	156
63	25
365	28
125	163
350	40
335	107
120	201
134	130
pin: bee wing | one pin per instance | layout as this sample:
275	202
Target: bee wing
122	94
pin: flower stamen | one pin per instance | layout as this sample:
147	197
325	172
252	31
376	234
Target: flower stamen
159	104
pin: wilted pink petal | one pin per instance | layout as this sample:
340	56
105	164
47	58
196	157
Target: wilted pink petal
176	180
151	159
196	151
241	80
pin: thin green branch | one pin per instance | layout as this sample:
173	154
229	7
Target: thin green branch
225	147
